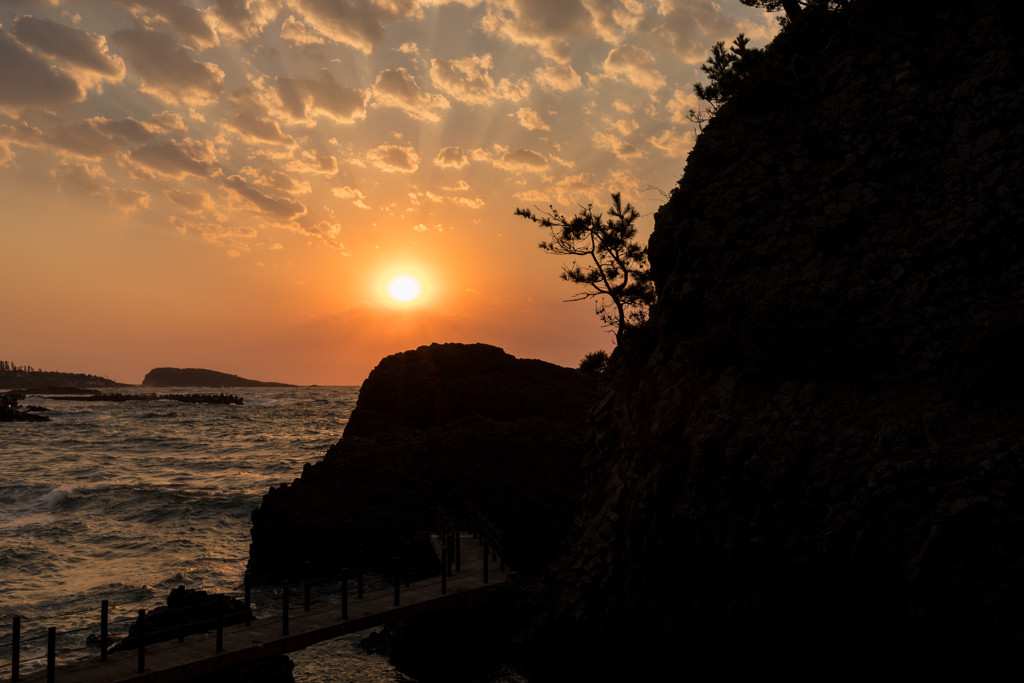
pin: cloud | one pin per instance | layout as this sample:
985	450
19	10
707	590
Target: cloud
517	160
98	137
680	105
192	202
531	120
89	179
187	22
166	122
557	78
392	158
563	162
673	144
303	99
215	233
357	23
622	149
276	180
689	27
623	126
582	189
465	201
612	18
253	124
173	159
167	69
468	80
347	193
26	80
542	24
84	54
532	196
408	48
298	34
451	157
22	135
634	65
420	228
315	163
458	187
277	209
254	128
243	19
397	88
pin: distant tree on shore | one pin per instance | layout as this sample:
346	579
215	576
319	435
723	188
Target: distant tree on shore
610	263
594	364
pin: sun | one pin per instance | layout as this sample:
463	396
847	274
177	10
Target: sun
404	288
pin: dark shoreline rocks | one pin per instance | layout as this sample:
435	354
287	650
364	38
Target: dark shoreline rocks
197	610
448	423
9	411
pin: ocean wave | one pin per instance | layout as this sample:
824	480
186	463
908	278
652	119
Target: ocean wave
147	414
261	402
66	492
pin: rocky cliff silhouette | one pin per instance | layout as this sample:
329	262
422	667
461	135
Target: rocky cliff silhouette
447	423
814	455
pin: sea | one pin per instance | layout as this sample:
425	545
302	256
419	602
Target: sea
125	501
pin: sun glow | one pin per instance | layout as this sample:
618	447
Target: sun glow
404	288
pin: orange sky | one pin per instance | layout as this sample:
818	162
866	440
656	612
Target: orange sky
228	183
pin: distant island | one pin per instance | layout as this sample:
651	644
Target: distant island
197	377
27	378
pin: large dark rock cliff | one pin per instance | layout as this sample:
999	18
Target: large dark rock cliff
816	456
447	423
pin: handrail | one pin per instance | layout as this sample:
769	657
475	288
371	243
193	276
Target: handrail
395	569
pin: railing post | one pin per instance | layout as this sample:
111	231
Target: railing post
181	614
458	553
444	574
305	586
142	641
248	599
51	654
104	612
359	574
405	563
15	648
284	608
486	558
344	593
451	546
220	622
398	578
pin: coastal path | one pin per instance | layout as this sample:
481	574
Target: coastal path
470	564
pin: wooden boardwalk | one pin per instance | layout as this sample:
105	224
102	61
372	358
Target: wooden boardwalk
174	661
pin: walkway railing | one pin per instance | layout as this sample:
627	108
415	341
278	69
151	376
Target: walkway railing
392	564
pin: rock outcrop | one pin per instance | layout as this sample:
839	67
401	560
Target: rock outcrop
9	410
817	457
446	423
197	377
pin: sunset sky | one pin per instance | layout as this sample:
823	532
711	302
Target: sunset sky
230	184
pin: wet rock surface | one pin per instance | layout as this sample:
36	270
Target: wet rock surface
448	423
